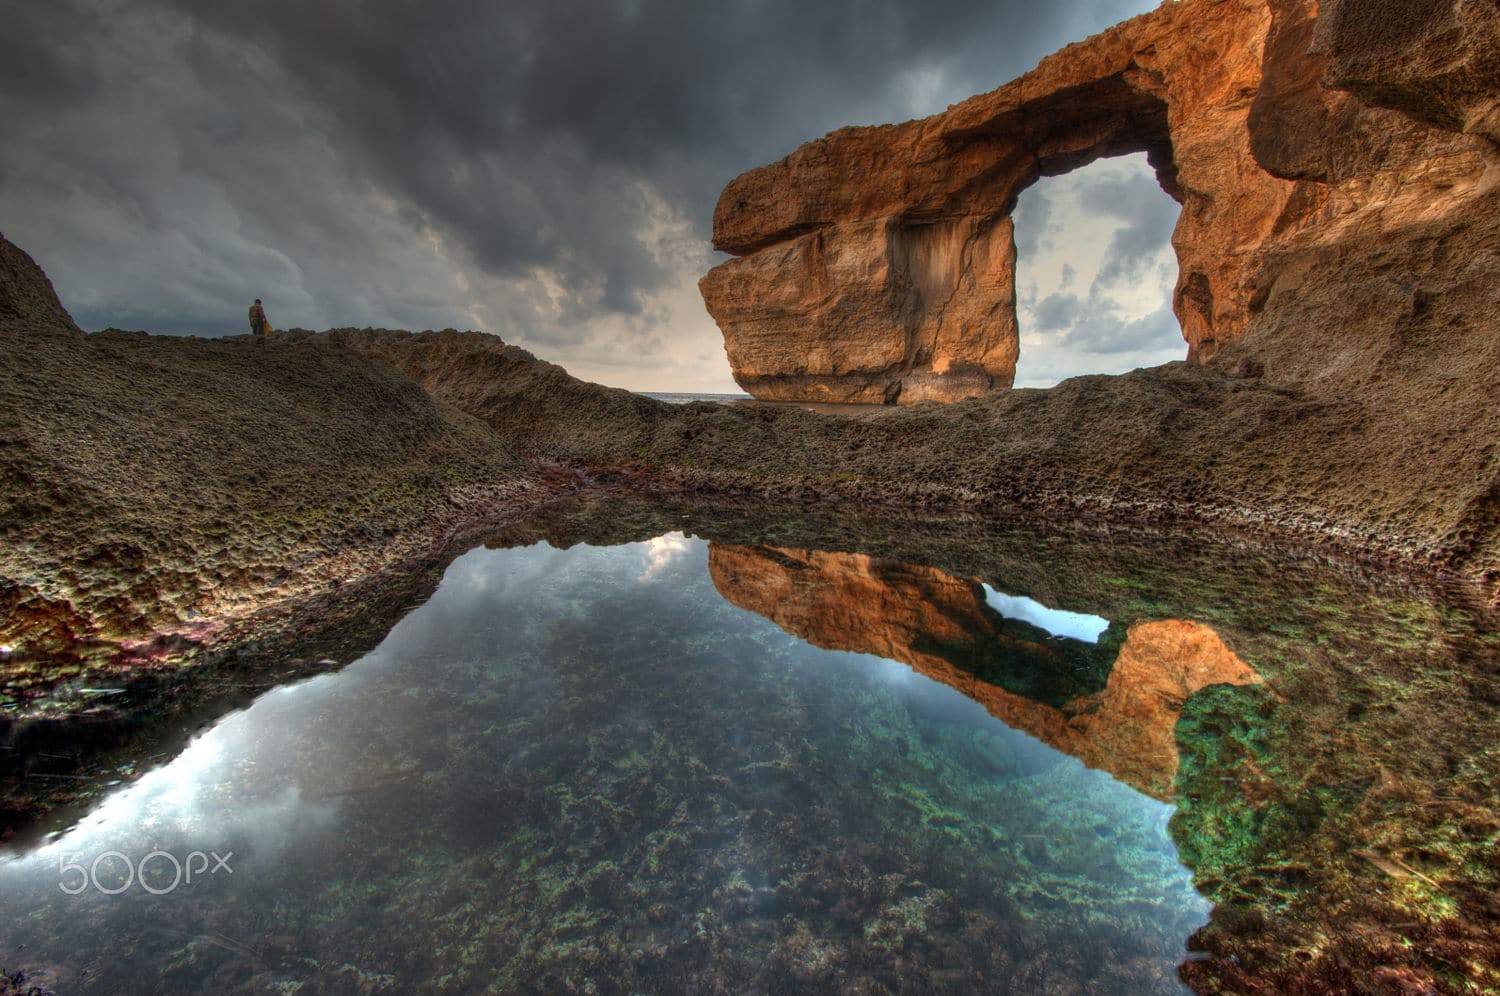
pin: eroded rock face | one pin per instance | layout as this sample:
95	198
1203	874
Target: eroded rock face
942	627
1435	60
874	311
877	265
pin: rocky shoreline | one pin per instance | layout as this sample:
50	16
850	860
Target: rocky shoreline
1339	243
1181	445
153	504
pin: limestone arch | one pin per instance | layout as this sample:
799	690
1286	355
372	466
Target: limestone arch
877	264
941	255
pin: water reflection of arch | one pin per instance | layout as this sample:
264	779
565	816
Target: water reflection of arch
1113	705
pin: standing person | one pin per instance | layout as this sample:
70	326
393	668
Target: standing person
257	319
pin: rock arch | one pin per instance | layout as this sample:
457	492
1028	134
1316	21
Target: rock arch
878	264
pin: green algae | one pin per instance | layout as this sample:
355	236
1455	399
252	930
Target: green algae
1342	816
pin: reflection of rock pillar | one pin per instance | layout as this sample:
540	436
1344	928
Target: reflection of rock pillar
936	623
1129	729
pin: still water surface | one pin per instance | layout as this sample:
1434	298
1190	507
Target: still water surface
665	765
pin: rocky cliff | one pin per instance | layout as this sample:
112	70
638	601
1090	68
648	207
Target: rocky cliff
28	301
878	264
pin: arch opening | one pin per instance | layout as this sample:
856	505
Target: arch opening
1096	271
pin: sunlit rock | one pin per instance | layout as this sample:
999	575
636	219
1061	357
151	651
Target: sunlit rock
877	264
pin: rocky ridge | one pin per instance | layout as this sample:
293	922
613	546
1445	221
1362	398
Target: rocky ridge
161	486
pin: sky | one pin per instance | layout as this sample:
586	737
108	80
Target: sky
545	170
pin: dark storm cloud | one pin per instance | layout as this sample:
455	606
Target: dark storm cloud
539	166
45	74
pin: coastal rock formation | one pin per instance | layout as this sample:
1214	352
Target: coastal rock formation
942	627
1353	242
160	490
878	265
151	483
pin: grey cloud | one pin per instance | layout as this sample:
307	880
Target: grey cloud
1056	312
58	72
1095	325
537	168
1148	217
1101	331
1035	222
1115	224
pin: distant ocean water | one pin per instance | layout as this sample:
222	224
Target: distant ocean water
678	398
683	398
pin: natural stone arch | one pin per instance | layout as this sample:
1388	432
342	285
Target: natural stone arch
878	264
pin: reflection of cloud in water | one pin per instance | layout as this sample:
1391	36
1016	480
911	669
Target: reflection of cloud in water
488	574
661	551
205	798
893	672
1077	625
